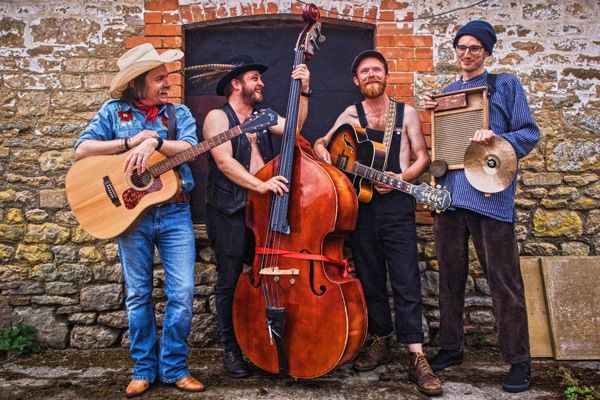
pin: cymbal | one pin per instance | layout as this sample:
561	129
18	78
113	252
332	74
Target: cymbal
490	168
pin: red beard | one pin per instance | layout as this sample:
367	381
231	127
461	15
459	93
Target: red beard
372	89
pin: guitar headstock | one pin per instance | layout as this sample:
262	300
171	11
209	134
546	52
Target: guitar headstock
259	120
439	199
311	35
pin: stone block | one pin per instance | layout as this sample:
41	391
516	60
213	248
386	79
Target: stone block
34	254
592	223
14	216
56	160
93	337
108	273
80	236
51	330
204	330
6	252
593	191
11	233
541	179
540	249
114	319
47	233
9	273
61	288
22	287
53	199
54	300
82	318
574	155
102	297
574	249
580	180
557	223
64	253
89	254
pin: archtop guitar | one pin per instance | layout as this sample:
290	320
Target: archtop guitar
362	160
106	201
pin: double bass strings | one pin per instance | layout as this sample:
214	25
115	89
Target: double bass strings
271	288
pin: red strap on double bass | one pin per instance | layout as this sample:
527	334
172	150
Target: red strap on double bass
344	264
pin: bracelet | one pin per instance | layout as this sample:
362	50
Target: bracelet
126	143
160	143
306	94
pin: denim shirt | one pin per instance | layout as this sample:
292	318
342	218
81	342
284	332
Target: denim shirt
119	119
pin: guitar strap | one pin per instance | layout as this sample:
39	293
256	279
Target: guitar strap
171	122
390	124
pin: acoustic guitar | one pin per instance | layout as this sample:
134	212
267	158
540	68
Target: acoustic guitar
107	201
362	160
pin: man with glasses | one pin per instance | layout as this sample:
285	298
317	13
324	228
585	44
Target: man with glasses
489	220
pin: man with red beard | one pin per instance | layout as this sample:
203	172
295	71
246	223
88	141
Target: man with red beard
232	169
385	239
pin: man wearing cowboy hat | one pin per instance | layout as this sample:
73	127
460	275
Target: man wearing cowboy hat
232	167
137	119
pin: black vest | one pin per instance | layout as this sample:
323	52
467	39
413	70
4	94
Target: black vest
393	162
221	193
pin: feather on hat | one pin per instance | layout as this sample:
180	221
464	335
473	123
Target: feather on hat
224	73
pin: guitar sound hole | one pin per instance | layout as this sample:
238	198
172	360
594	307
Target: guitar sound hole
141	182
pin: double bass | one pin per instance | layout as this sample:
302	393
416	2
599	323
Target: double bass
298	312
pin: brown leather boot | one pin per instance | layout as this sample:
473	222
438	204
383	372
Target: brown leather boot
378	354
136	387
189	384
420	372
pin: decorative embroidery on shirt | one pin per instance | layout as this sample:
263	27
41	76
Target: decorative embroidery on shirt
126	117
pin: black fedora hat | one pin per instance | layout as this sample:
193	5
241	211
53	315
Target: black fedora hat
244	63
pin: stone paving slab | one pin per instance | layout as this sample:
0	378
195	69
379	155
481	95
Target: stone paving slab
103	374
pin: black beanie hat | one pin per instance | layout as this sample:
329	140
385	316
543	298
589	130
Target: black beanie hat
481	30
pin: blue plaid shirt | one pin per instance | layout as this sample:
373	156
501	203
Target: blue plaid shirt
110	124
509	118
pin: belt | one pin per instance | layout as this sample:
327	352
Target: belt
180	198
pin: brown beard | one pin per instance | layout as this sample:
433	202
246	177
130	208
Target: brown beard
249	96
372	89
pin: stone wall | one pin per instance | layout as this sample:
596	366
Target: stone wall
57	59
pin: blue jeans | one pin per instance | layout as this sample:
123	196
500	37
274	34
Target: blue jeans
169	228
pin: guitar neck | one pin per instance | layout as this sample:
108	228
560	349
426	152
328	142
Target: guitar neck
380	177
171	162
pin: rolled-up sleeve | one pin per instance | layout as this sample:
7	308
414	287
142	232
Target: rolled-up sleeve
99	128
186	125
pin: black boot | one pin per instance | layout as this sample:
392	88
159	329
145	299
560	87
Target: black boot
446	358
518	378
234	364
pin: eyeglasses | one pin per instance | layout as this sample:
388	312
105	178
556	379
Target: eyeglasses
474	50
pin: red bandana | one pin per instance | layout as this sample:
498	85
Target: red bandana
151	111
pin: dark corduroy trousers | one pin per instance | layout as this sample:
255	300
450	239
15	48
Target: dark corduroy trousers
496	247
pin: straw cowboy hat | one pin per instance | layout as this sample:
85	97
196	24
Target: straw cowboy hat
135	62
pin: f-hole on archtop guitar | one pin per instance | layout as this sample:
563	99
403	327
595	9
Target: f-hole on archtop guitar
107	201
361	159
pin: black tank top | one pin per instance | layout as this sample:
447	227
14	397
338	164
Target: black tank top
221	193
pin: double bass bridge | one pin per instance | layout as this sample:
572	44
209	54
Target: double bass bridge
275	272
